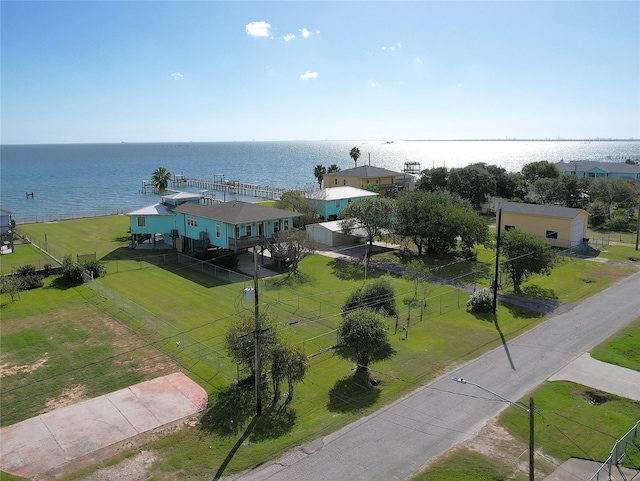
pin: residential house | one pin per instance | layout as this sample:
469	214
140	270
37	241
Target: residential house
559	226
328	203
192	225
600	170
7	225
387	182
330	234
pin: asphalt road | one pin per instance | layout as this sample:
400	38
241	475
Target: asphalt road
396	441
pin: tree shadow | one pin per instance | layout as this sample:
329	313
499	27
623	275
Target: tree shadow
533	291
287	281
276	420
353	393
230	411
352	271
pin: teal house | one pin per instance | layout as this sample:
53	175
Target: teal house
600	170
329	202
188	224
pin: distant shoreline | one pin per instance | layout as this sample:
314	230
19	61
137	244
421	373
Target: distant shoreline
186	143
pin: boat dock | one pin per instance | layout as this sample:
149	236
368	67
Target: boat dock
220	184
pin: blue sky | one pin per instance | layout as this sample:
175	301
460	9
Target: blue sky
145	71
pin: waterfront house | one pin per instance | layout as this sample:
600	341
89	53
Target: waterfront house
600	170
559	226
328	203
6	220
386	182
192	225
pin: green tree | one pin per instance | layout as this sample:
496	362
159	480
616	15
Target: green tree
318	172
546	190
599	213
160	179
473	183
287	362
434	222
240	341
524	256
364	332
377	296
332	169
373	214
614	192
289	247
415	271
355	155
433	179
542	169
11	285
294	201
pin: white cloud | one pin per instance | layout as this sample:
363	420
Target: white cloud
309	75
307	33
258	29
177	75
373	84
393	48
417	61
288	37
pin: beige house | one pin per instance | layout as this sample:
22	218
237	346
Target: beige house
559	226
387	182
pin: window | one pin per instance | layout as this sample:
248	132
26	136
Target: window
142	221
248	229
377	181
551	234
237	232
192	221
276	226
337	203
509	227
286	224
217	230
344	181
336	181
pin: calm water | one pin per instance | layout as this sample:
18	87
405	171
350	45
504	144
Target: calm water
91	179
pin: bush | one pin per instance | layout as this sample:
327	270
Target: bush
481	301
71	271
26	271
378	296
28	278
94	268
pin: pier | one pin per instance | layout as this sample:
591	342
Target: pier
220	184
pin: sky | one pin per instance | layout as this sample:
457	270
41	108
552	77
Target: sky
156	71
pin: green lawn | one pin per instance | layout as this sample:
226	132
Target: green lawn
24	254
155	291
621	349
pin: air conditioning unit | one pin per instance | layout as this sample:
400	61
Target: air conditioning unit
174	233
204	235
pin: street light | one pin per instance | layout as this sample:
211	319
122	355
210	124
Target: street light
521	406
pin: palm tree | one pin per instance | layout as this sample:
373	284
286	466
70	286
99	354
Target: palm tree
318	172
160	179
355	155
333	168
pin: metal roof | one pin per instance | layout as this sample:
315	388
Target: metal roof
587	165
541	210
155	209
368	171
343	192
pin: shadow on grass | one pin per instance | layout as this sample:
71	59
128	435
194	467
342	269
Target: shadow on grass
352	271
353	393
233	408
287	281
533	291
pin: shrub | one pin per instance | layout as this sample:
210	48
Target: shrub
94	268
28	278
27	270
71	271
481	301
378	296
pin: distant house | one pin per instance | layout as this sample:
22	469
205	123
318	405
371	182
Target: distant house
387	182
600	170
328	203
6	221
559	226
192	225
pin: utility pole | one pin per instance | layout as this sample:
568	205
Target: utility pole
531	433
495	280
258	331
638	229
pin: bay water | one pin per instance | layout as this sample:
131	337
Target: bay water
77	180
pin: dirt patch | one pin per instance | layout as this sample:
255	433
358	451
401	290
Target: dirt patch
68	397
7	369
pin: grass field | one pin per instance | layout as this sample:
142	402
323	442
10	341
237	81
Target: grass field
150	288
22	255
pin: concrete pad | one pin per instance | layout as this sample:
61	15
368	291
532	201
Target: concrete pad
602	376
574	469
41	444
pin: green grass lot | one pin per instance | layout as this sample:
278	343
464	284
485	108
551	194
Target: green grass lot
574	420
618	253
153	288
22	255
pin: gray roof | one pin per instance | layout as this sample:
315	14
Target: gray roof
587	165
235	212
368	171
541	210
155	209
